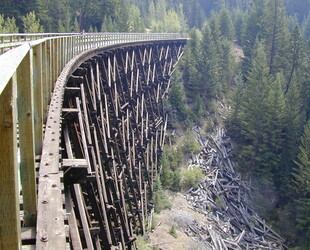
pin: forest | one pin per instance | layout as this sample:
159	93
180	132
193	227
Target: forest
250	55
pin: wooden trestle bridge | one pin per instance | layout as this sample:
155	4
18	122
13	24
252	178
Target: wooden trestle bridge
81	126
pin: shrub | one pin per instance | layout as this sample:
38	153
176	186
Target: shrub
160	199
190	145
173	231
191	178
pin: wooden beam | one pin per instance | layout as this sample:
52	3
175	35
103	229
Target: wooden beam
37	66
10	232
26	139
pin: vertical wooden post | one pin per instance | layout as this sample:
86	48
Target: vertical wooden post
26	138
38	99
44	79
9	192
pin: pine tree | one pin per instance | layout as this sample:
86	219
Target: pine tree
275	35
107	25
161	10
151	13
207	65
172	22
239	26
253	26
226	25
10	25
191	83
2	28
296	56
122	17
135	23
75	27
177	95
31	24
182	18
302	187
252	113
306	27
274	126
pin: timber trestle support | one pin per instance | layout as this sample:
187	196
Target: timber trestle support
102	145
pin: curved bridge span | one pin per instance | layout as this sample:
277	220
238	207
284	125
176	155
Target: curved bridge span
86	135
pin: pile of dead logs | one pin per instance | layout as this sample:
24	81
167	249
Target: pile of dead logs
224	200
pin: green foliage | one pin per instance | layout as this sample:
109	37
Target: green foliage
190	144
253	26
226	25
239	23
142	243
173	231
302	186
172	22
177	95
8	25
108	25
32	24
135	23
275	35
170	175
191	178
160	199
259	118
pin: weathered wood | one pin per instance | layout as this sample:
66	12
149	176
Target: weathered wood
37	67
28	233
25	102
226	195
10	237
119	130
73	228
81	208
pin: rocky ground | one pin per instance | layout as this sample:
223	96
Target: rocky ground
182	216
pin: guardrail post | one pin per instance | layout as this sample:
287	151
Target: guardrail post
9	192
26	139
38	75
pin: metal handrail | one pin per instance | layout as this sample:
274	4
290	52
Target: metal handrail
27	76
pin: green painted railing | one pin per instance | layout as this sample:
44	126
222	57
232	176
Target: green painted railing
27	76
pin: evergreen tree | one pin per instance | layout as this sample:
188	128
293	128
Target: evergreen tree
226	25
296	56
239	26
31	24
107	25
274	127
253	26
252	113
172	22
151	13
207	65
135	23
275	35
191	83
177	95
122	23
161	10
182	18
2	28
75	27
302	187
292	133
8	25
306	27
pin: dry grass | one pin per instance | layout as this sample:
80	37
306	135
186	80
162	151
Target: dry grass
180	216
